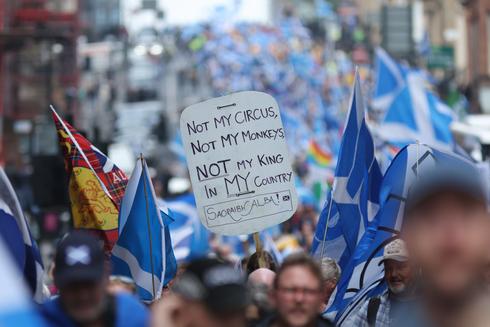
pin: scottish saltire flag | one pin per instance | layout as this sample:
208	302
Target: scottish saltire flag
189	238
270	246
96	185
177	148
16	307
143	250
363	276
353	202
18	239
411	112
385	154
236	243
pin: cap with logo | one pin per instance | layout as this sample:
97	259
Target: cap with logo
395	250
218	285
79	258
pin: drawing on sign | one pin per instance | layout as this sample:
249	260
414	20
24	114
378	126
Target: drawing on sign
238	162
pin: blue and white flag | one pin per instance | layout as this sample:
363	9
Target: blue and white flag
363	276
270	246
411	111
189	238
177	147
18	239
143	250
16	307
353	202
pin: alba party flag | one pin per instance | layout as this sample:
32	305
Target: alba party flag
96	185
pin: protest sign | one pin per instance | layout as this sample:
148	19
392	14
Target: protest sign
238	163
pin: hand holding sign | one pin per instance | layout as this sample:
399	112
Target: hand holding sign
239	163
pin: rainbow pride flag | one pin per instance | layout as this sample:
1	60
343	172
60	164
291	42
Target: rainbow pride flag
317	156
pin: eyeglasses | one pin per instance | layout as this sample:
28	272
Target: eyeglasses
309	292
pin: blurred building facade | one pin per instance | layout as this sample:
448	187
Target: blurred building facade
478	73
446	27
37	67
478	49
478	24
436	27
100	18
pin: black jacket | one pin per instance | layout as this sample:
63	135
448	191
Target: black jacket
320	322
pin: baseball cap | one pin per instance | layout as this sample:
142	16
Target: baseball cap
218	285
451	174
79	257
395	250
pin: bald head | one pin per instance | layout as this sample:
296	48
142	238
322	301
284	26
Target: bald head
262	276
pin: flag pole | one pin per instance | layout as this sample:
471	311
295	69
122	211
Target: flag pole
259	250
148	224
418	158
326	225
82	153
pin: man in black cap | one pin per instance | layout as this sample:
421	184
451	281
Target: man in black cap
81	277
446	229
208	294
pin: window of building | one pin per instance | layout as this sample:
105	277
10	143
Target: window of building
474	49
488	42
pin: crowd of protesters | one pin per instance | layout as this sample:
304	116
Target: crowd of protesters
436	272
207	292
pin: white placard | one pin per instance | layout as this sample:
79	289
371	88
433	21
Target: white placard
239	163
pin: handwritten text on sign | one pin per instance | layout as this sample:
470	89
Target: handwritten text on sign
238	163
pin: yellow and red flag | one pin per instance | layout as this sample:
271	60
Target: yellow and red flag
96	185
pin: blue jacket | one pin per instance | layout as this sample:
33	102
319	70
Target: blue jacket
129	312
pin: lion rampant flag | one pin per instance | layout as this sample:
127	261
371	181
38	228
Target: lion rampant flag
96	185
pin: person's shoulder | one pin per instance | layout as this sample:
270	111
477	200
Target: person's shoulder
358	317
128	299
363	308
53	314
53	301
50	307
323	322
268	321
130	311
385	297
264	322
259	323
